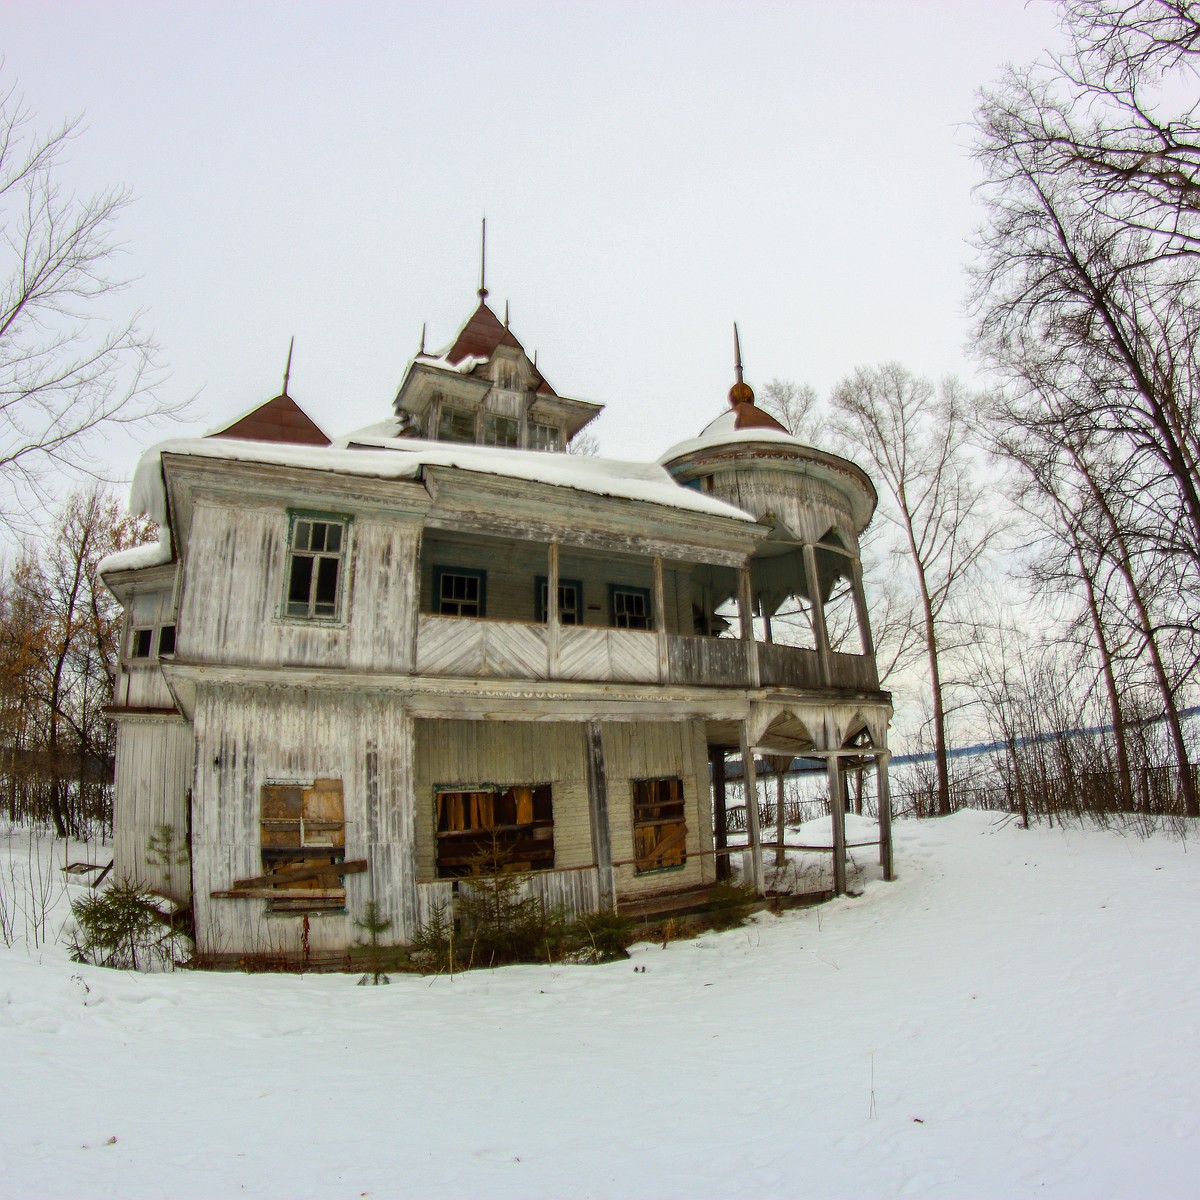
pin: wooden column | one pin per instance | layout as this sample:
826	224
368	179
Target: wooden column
720	833
660	619
837	811
818	610
885	813
860	607
597	785
412	613
753	836
746	623
553	626
779	764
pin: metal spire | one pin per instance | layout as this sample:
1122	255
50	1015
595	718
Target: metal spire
483	292
737	354
287	370
506	314
422	349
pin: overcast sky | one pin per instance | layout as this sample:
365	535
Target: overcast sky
650	173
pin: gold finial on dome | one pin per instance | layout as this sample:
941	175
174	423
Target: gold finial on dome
741	392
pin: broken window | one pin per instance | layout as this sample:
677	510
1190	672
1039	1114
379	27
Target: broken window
166	640
543	436
501	431
507	829
303	845
460	591
570	600
141	643
659	824
456	424
628	607
315	568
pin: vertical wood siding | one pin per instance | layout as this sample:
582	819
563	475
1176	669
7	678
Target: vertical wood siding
246	737
154	769
233	591
655	751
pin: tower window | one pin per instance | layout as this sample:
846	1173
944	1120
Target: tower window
456	424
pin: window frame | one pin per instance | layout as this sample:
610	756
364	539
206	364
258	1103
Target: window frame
659	822
440	571
517	836
278	847
342	557
136	632
470	414
633	590
541	600
549	425
493	419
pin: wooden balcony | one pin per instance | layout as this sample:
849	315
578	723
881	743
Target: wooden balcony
482	649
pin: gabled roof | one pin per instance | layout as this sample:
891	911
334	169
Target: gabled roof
482	335
279	420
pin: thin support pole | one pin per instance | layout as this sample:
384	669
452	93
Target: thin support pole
721	833
885	815
750	784
837	815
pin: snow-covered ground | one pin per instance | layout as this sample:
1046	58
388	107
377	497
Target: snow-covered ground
1017	1015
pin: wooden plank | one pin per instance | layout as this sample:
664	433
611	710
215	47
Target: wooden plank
275	894
302	871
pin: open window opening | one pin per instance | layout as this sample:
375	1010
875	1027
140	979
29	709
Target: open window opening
659	824
303	845
315	569
507	829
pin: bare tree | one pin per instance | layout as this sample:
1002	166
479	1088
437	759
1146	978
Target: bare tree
66	369
1089	306
793	405
916	438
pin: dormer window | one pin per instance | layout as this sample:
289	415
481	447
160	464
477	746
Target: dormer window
456	424
543	436
501	431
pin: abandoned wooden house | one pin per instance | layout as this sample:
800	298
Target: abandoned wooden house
351	664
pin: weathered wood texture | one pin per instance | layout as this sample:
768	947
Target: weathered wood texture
573	892
484	649
460	755
708	662
154	770
658	750
246	737
806	506
233	590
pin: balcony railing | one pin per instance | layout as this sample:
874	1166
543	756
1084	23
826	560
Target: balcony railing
482	649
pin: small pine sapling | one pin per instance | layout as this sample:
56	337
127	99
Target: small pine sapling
372	924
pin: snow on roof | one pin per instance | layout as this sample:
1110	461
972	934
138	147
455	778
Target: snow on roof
152	554
463	367
722	432
388	457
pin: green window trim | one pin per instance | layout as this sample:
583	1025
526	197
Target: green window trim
541	587
460	596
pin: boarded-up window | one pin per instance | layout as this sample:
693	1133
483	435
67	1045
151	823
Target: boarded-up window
303	826
512	826
659	824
